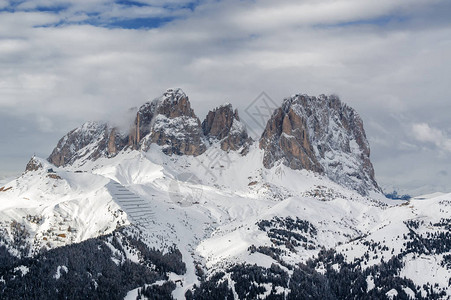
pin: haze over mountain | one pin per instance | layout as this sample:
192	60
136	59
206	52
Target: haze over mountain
173	206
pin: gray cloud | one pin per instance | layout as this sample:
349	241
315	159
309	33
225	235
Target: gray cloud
388	59
424	133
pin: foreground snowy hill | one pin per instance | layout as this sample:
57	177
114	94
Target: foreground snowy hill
212	226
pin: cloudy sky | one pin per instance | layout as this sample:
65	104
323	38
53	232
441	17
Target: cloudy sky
64	62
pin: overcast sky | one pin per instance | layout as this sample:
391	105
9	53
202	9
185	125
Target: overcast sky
64	62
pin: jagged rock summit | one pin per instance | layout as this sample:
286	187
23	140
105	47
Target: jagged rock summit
90	141
33	165
320	134
223	124
323	135
168	121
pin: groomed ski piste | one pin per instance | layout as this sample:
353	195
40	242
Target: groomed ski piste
138	210
211	208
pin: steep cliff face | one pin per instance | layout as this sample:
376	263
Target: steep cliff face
323	135
90	141
223	124
170	122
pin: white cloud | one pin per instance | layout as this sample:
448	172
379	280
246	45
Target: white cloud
3	4
424	133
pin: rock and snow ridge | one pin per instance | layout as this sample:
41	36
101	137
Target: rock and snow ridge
298	226
168	121
223	124
320	134
323	135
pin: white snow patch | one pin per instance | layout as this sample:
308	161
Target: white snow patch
370	283
426	268
23	269
391	293
58	272
409	292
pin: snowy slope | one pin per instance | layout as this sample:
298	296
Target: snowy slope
58	208
221	209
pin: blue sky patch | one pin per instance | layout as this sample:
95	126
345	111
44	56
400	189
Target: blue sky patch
99	15
139	23
380	21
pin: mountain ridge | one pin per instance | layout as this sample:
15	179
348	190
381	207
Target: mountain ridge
218	224
320	134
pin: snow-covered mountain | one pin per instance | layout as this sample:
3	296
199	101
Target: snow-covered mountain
323	135
168	121
179	208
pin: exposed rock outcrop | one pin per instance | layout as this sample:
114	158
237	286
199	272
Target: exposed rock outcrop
323	135
315	133
286	137
223	124
168	121
33	165
171	123
90	141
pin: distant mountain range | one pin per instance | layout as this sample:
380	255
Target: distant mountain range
172	207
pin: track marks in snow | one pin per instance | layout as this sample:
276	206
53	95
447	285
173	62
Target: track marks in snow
139	210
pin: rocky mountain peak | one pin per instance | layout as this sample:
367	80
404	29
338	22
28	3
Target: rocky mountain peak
175	103
223	124
33	165
320	134
90	141
323	135
170	122
218	122
172	104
